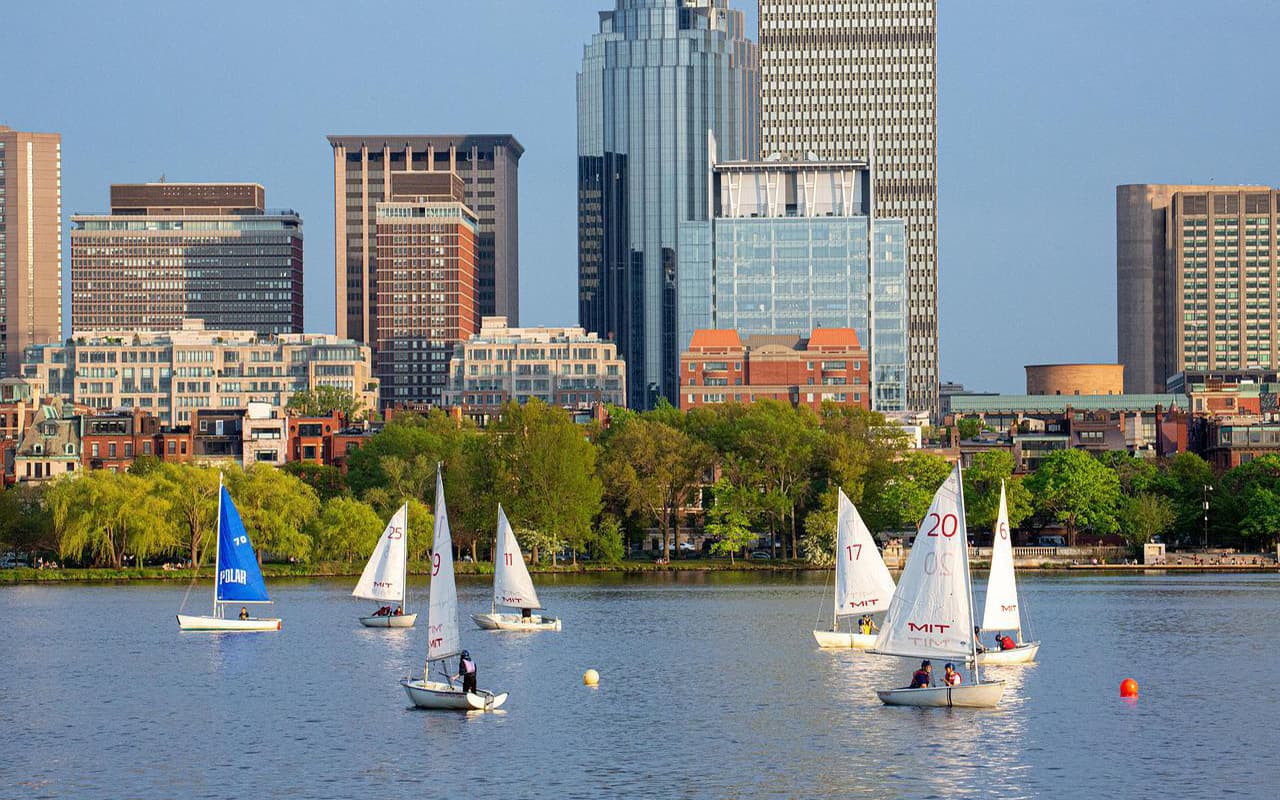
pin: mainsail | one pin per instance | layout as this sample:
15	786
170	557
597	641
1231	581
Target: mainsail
512	585
863	583
384	576
1000	611
444	637
931	615
238	580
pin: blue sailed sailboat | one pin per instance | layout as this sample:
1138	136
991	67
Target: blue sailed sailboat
237	579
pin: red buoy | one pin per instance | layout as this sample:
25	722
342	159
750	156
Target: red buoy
1128	688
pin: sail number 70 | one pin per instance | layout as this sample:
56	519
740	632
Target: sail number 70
940	522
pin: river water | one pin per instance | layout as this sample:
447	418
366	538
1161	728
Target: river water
711	686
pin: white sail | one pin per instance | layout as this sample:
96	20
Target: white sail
931	615
383	577
512	585
444	638
1000	612
863	582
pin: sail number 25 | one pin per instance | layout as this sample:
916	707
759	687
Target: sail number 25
940	523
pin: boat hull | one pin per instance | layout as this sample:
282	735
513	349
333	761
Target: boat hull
973	695
514	622
1022	654
389	621
443	697
195	623
845	639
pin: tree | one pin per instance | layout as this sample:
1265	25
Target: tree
819	541
1136	474
346	530
326	480
1075	489
324	400
25	523
1143	516
107	516
609	546
432	438
1183	481
982	491
903	498
191	493
276	508
969	427
728	520
1247	504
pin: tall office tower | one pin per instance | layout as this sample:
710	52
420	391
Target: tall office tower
363	168
30	242
425	249
1196	281
854	79
659	77
169	252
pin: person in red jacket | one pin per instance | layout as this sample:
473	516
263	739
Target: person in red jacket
951	677
1007	642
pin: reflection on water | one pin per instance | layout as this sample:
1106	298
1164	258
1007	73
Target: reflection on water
711	686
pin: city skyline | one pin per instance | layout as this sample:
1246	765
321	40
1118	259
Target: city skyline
1080	108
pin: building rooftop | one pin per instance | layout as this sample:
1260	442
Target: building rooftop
422	141
1058	403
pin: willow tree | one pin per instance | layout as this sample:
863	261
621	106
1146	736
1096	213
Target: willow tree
275	507
192	495
108	515
345	530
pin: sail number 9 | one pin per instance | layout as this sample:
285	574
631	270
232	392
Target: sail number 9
854	550
435	564
940	521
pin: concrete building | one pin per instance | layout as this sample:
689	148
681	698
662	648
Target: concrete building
1075	379
565	367
49	448
1195	280
168	252
854	79
426	281
364	168
789	247
263	436
30	243
655	80
172	374
828	366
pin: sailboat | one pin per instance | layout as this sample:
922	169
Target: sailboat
444	636
931	615
863	583
512	588
237	579
386	576
1000	611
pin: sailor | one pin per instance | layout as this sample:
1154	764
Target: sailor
951	677
1006	642
866	626
467	671
399	611
526	615
977	639
920	678
244	612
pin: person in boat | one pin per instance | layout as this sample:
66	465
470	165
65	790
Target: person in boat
467	671
399	611
921	677
1006	641
244	612
866	626
526	615
977	639
951	677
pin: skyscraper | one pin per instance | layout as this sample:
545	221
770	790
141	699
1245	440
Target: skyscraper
655	81
30	242
855	79
169	252
363	168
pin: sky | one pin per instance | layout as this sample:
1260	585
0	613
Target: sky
1044	107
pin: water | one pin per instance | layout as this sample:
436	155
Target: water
711	687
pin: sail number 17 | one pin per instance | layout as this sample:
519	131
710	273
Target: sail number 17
854	550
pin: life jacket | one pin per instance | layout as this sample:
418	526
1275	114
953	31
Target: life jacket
468	666
1007	643
953	679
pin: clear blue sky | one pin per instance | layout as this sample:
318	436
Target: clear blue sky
1043	109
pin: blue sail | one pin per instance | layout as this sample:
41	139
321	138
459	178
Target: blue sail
239	579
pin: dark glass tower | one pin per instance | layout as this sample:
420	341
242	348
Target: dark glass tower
656	81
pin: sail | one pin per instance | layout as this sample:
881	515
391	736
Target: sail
863	583
444	638
931	615
1000	613
239	580
383	577
512	585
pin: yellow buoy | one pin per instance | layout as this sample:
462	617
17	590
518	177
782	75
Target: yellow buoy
591	677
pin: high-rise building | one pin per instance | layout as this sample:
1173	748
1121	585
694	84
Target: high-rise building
425	251
363	169
169	252
1196	281
30	242
791	248
659	77
856	79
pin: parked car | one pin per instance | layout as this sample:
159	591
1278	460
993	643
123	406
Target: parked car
761	555
1049	540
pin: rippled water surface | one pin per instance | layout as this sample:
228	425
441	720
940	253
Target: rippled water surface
711	687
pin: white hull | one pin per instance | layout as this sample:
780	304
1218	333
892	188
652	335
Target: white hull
192	623
442	696
974	695
845	639
514	622
1022	654
389	621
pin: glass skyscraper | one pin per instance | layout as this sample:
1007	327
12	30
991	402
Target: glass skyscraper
656	81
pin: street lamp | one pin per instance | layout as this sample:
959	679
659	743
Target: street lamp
1205	493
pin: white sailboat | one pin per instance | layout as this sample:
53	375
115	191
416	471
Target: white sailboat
512	588
1000	611
863	583
931	616
386	576
237	579
444	634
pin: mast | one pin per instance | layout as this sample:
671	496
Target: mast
835	584
404	573
968	578
217	547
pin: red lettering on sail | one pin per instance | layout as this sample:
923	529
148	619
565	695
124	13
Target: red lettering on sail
855	551
1013	607
927	627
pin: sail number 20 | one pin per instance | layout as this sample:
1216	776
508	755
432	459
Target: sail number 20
940	522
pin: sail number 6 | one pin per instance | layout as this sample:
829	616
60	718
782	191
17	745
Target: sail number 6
940	522
1004	530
